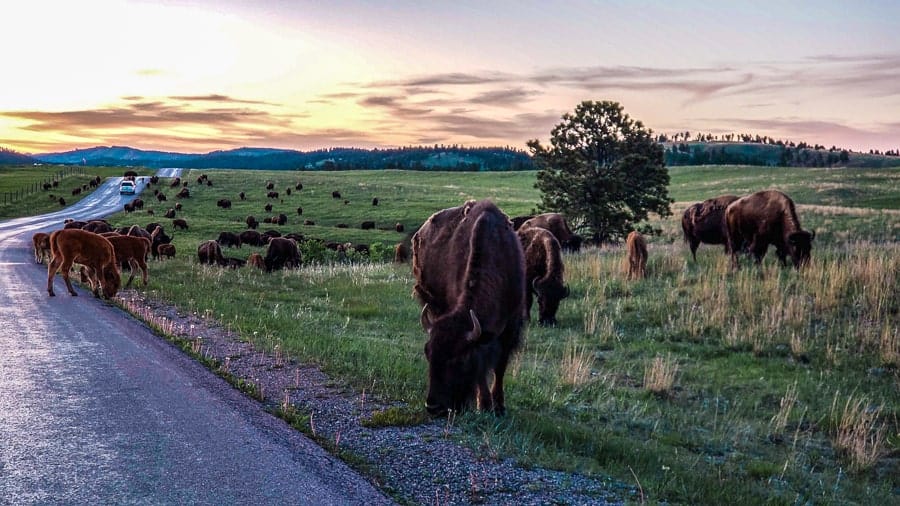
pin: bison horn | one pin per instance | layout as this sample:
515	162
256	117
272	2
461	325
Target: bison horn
425	318
476	327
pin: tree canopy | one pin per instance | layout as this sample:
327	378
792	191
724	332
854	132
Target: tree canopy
603	171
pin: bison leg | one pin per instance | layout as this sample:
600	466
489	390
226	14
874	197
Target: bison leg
52	267
133	267
144	274
694	245
485	401
65	268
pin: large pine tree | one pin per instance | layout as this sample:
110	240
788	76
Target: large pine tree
603	171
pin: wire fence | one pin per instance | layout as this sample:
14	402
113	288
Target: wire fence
52	180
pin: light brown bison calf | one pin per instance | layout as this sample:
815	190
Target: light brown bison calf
637	255
134	251
256	260
41	243
69	246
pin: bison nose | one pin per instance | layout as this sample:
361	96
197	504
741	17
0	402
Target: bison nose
435	409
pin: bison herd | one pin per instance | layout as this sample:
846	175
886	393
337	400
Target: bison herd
477	272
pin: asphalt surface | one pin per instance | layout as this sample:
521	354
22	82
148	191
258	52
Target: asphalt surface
96	409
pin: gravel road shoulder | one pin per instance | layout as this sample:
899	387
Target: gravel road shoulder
422	464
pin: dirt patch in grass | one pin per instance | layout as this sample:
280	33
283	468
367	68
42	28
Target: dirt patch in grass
415	463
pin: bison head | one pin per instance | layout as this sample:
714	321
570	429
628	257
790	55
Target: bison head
549	294
112	280
457	360
800	244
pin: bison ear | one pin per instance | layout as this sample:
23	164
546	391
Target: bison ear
476	328
425	319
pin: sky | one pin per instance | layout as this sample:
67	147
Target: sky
202	75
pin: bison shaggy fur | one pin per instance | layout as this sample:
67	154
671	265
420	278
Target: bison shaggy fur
764	218
133	251
704	222
556	224
93	251
470	279
544	273
636	259
209	252
282	254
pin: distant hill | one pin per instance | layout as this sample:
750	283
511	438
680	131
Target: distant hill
10	157
409	158
774	155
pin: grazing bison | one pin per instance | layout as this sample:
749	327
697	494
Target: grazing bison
341	225
288	191
166	250
556	224
137	231
268	208
335	194
179	223
269	234
270	185
544	272
62	201
299	211
132	251
470	280
233	263
282	254
46	186
137	203
74	224
252	237
157	238
169	214
209	182
272	195
251	222
704	222
209	252
97	226
764	218
299	186
224	203
76	191
309	222
92	251
175	182
229	240
154	179
367	225
636	246
183	194
401	253
161	197
374	201
41	243
242	196
256	260
178	206
281	219
152	226
399	227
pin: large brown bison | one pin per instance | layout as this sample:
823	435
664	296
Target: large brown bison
282	254
763	218
544	272
229	239
636	246
209	252
556	224
704	222
133	251
252	237
41	242
470	280
92	251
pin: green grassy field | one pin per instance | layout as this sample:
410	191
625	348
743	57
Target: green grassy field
23	179
704	386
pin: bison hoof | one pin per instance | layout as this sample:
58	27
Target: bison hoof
51	293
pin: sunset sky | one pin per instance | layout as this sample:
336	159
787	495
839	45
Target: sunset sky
200	75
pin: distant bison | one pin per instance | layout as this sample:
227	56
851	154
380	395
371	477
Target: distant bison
270	185
62	201
299	211
92	251
242	196
272	195
169	214
229	239
335	194
179	224
704	222
367	225
166	250
209	252
764	218
556	224
252	237
636	247
256	260
309	222
375	201
282	254
544	272
299	186
161	197
470	279
224	203
268	208
401	253
251	222
399	227
183	194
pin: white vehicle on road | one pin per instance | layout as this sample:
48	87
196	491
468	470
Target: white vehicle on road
126	188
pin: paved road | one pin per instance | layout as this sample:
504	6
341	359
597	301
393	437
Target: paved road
95	409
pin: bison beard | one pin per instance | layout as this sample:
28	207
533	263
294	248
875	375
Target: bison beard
470	279
764	218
